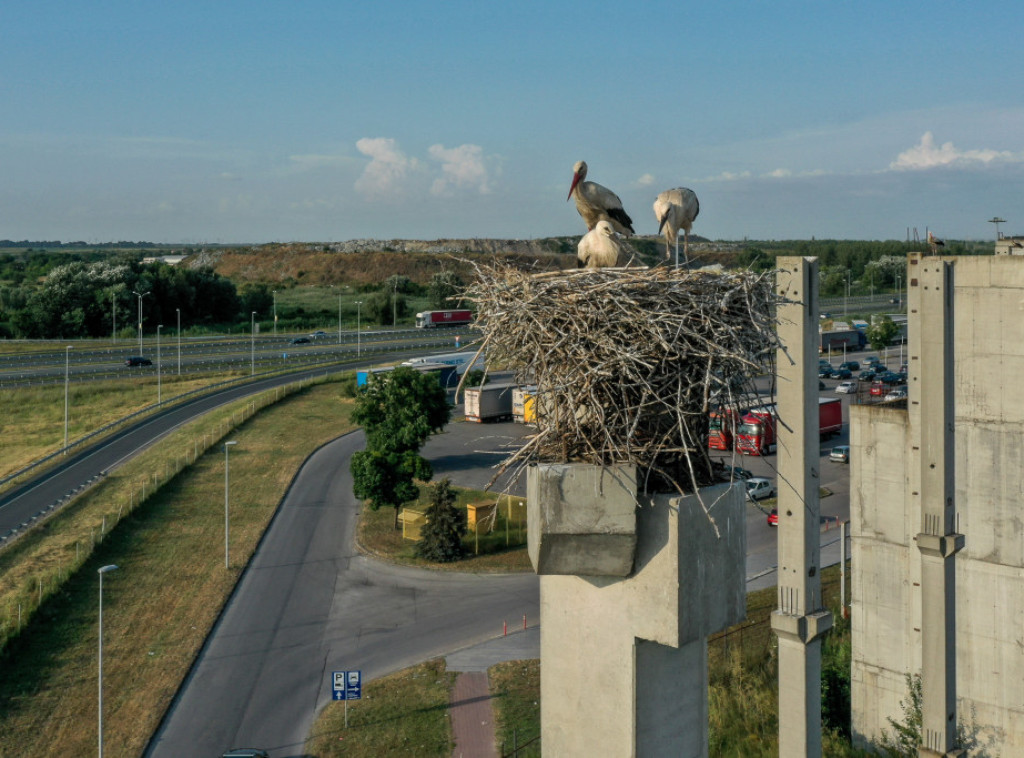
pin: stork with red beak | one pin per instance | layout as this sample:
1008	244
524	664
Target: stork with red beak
596	203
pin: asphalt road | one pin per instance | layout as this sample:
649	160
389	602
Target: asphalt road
309	604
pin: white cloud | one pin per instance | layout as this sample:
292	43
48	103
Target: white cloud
779	173
644	181
388	169
462	167
927	155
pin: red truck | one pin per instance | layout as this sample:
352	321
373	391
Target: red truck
722	425
757	432
432	319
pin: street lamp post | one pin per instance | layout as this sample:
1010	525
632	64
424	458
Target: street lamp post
140	295
177	311
846	302
253	328
359	333
899	293
339	318
113	317
226	488
101	572
159	395
274	293
67	381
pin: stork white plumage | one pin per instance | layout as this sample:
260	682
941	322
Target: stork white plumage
935	243
601	248
676	209
596	203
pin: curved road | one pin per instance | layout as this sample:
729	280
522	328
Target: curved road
309	604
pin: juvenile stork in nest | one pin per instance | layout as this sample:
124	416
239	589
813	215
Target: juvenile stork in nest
596	203
676	209
601	248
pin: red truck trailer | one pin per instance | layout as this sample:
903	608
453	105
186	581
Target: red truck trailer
433	319
722	426
756	434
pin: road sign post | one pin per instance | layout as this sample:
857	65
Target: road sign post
347	685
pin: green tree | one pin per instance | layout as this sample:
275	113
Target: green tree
441	536
476	377
881	333
443	285
398	411
382	307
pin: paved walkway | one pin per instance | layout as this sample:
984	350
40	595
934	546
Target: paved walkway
471	711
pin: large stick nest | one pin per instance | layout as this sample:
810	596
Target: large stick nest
628	362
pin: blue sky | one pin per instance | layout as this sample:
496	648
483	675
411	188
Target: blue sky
321	121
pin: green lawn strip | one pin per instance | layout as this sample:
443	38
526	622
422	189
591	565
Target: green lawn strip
498	549
401	715
515	687
161	603
32	418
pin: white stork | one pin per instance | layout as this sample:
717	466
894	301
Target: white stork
676	209
601	248
935	243
595	202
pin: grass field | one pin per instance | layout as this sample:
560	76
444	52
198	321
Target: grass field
160	604
32	418
498	550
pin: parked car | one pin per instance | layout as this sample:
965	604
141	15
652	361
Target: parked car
138	360
842	373
825	371
852	365
877	389
773	518
840	453
892	378
873	360
896	393
736	472
759	488
867	375
299	341
848	388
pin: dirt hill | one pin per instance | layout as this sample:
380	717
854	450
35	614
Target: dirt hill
359	262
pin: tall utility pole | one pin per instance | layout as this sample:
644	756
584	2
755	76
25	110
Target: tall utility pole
359	338
997	221
274	292
800	620
178	312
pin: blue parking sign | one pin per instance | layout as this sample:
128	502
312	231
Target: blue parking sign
347	685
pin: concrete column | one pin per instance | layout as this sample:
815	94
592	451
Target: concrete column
800	620
625	654
930	281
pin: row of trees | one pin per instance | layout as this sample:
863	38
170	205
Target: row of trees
83	299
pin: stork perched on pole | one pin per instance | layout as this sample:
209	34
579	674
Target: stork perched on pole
601	248
676	209
596	203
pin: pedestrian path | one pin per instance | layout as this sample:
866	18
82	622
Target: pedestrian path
471	710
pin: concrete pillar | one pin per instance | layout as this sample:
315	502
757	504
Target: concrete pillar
800	620
625	655
930	291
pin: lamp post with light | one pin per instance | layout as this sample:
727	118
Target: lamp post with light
359	332
140	296
178	313
159	395
253	328
67	381
101	572
226	489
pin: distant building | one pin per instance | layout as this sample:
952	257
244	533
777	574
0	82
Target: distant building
170	260
1010	246
890	605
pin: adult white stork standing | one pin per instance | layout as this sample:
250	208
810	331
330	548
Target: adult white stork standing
676	209
601	248
935	243
596	203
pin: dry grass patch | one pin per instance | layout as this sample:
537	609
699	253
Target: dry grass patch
401	715
160	605
32	418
